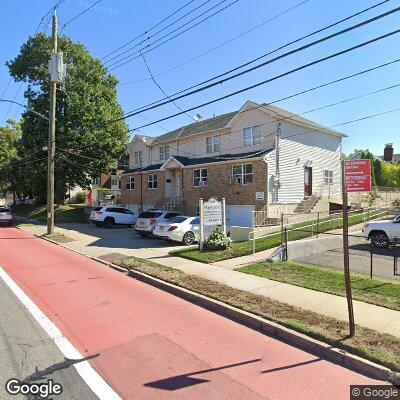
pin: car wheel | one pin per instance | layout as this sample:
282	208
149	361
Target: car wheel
188	238
109	222
379	239
98	224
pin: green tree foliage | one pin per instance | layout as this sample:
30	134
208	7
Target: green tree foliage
86	146
391	174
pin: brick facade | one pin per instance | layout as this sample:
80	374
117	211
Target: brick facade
218	185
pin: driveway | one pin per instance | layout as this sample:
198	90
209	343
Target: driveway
96	241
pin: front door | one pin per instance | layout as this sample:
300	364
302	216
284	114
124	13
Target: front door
178	182
307	181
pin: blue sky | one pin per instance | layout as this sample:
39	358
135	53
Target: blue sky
111	23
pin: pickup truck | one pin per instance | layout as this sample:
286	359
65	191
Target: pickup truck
382	233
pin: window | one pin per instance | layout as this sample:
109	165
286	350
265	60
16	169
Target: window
178	220
150	214
164	153
196	221
171	215
200	177
328	177
213	144
130	183
114	181
138	157
95	181
152	181
252	136
242	174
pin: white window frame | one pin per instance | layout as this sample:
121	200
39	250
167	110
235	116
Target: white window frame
328	177
152	181
242	177
203	177
130	183
213	144
114	180
254	139
96	181
164	153
138	157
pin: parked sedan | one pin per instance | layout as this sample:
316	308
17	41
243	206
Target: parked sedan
180	229
108	216
5	216
147	220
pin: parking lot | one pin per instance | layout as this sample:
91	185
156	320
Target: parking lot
360	258
100	241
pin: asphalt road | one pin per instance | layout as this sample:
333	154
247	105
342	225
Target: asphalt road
145	343
28	354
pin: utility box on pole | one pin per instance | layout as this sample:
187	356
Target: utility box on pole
56	68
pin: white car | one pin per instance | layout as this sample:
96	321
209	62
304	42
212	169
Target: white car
147	220
5	216
382	233
180	229
108	216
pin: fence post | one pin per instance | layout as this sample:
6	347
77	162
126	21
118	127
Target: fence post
282	237
286	244
317	223
372	259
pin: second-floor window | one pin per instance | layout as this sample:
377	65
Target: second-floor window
130	183
242	174
164	153
200	177
153	181
213	144
114	181
96	182
138	157
252	136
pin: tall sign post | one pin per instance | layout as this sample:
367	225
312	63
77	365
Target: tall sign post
356	177
201	213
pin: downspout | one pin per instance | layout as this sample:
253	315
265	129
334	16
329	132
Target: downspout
277	162
141	191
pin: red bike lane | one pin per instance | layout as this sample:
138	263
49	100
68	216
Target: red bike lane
148	344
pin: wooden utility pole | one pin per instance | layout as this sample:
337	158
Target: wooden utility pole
346	259
52	138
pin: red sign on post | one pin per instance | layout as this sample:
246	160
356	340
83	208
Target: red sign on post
357	175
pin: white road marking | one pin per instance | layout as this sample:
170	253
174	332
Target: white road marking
96	383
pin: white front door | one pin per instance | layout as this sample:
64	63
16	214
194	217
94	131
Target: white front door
169	183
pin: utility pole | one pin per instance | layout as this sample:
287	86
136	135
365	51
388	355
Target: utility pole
346	258
52	135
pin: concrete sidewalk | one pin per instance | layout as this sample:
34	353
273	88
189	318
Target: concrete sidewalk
367	315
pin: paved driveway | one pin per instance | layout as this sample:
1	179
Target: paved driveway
99	241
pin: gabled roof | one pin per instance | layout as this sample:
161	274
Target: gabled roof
209	124
186	161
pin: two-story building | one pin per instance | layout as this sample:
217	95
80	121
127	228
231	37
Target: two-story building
260	157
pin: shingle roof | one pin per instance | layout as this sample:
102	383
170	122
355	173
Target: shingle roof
186	161
209	124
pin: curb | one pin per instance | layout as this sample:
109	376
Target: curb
338	356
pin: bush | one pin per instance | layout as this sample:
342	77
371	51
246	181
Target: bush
217	241
79	198
396	204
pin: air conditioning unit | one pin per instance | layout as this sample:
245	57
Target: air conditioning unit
236	180
203	183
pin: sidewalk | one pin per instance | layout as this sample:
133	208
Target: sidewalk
378	318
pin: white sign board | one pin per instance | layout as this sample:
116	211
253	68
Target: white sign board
260	195
212	212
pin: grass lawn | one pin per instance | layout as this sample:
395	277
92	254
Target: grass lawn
381	348
239	249
63	213
375	291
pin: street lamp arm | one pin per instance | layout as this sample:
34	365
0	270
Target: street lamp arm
27	109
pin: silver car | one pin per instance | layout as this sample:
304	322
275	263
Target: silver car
147	220
5	216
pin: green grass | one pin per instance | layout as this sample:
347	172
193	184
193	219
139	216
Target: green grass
239	249
375	291
63	213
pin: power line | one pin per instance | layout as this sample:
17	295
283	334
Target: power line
304	66
256	27
148	30
161	30
171	38
79	15
179	95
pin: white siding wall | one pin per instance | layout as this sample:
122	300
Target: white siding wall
297	146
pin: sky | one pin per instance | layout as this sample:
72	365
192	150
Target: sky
111	23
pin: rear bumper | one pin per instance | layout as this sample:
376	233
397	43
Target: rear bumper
144	229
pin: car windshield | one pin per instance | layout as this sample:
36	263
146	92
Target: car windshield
4	210
397	218
178	220
97	208
150	214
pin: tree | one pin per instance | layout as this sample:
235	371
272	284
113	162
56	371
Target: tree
367	155
377	165
86	145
